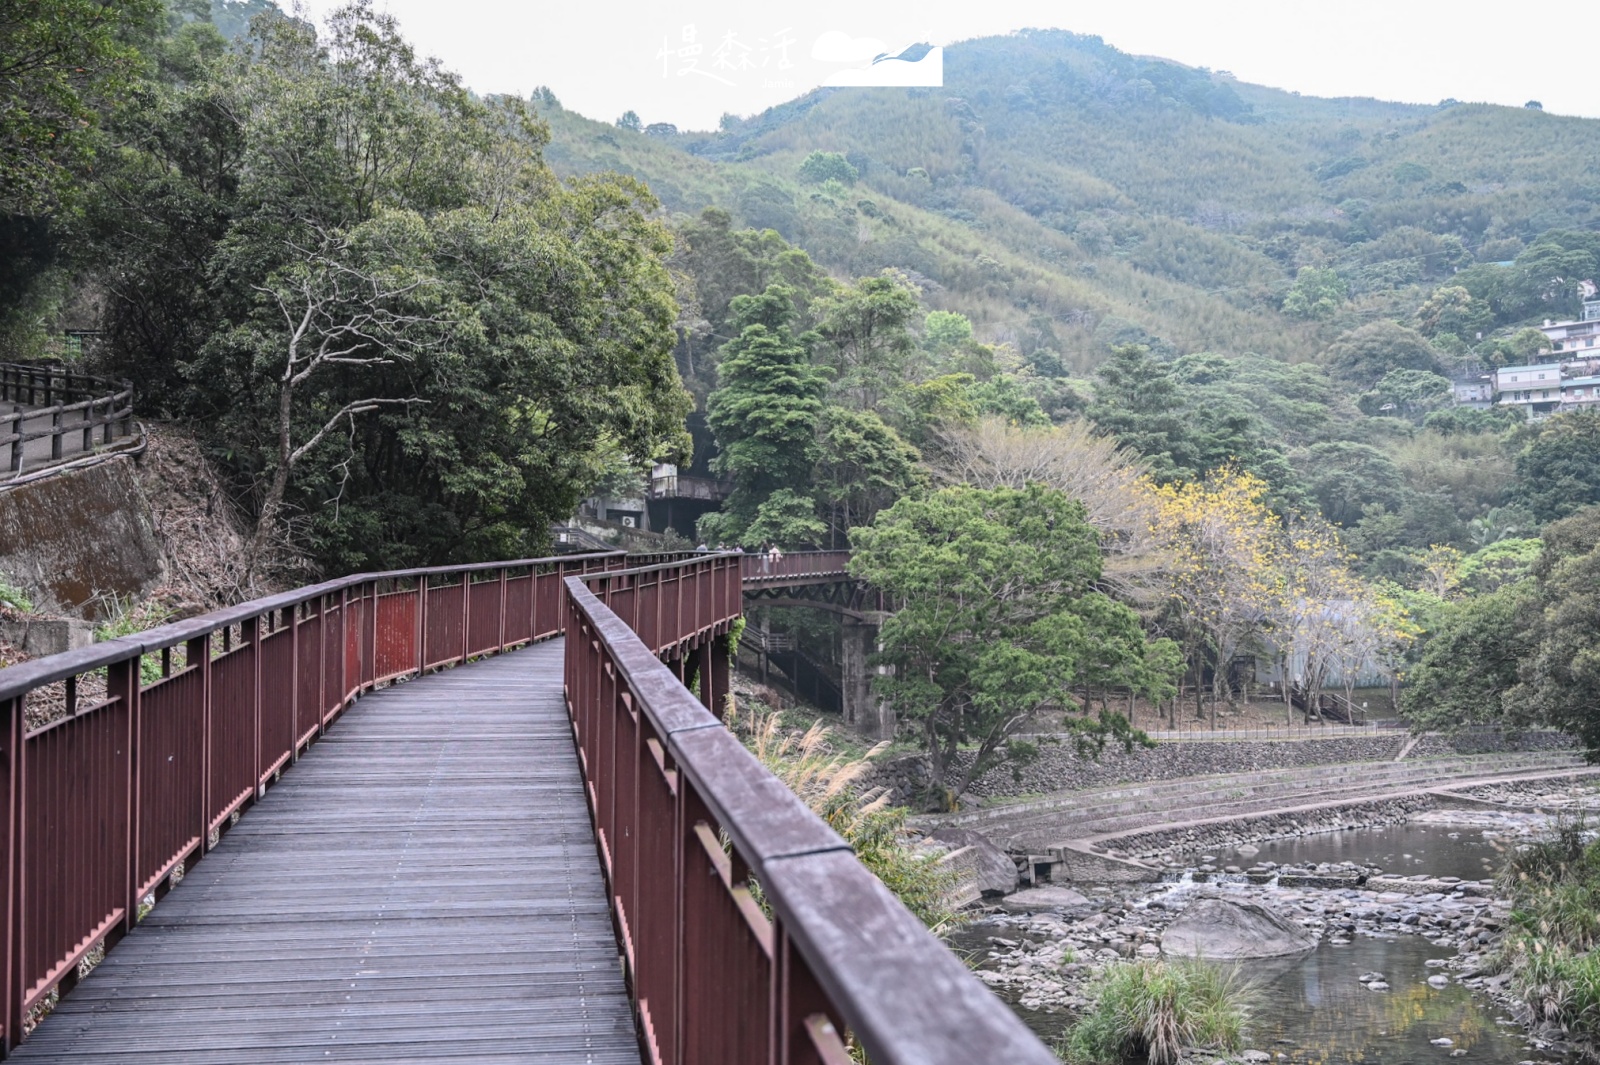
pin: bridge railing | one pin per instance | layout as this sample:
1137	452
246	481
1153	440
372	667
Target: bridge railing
760	566
69	409
749	930
122	762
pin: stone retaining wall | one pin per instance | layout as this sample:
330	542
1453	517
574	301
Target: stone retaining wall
1436	745
1259	828
1059	767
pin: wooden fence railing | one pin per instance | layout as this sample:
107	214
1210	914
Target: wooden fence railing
68	409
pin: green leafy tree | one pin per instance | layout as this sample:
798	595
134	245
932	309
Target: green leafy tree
1559	682
1558	472
1363	356
1005	396
1343	478
1138	402
765	413
1463	421
945	331
1453	309
1406	393
1471	661
1186	430
63	64
1316	293
863	466
999	621
819	167
865	337
409	341
1502	563
629	120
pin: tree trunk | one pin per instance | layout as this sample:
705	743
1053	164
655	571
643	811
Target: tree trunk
272	502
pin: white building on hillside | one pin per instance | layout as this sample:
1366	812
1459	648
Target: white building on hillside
1535	389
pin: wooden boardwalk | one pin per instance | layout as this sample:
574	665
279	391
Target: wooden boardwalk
422	886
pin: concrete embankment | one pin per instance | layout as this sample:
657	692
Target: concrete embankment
1059	768
1136	832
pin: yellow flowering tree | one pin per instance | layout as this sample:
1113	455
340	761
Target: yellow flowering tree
1225	578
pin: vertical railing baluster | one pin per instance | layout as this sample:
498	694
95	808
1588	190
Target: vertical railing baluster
466	615
250	635
11	778
422	624
294	683
501	642
122	684
16	442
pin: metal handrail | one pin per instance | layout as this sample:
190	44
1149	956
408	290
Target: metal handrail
102	803
691	825
101	807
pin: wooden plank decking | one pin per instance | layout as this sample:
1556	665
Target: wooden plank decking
422	886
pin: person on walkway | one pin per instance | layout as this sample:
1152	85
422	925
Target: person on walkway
702	549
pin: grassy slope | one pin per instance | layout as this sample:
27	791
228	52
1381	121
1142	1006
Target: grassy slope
1068	203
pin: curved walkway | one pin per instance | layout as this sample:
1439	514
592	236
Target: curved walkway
423	886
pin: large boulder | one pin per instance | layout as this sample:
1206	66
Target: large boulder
992	868
1044	899
1227	928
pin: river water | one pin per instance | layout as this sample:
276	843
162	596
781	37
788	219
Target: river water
1402	850
1313	1009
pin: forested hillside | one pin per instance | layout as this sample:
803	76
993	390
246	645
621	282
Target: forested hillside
1067	196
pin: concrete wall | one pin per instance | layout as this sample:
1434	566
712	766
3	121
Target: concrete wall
78	536
1060	768
42	638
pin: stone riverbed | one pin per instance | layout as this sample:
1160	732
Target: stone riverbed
1393	973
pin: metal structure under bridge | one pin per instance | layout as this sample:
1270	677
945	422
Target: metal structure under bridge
470	813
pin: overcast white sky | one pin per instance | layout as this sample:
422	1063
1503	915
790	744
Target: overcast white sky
603	57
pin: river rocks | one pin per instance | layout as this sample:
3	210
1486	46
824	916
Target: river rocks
1378	985
1438	980
1048	897
992	868
1442	1041
1230	929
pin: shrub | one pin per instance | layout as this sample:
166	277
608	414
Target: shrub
13	598
1151	1011
1554	887
829	782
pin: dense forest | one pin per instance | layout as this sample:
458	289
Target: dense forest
412	324
399	334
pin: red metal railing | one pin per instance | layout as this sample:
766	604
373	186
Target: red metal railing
105	795
691	826
101	803
813	564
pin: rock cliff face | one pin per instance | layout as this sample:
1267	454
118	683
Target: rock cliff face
1231	929
79	536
